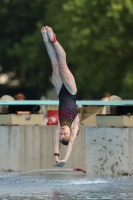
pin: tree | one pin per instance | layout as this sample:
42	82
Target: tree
95	34
22	52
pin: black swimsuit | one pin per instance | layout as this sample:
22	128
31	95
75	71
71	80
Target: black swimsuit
67	107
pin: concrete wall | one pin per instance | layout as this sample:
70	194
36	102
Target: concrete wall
98	150
24	148
109	150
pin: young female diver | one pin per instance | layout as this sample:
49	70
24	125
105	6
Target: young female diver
66	89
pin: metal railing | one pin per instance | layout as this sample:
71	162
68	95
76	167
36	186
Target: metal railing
56	102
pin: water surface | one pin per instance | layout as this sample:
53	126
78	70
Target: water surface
65	186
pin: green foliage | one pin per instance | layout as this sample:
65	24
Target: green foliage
96	35
21	42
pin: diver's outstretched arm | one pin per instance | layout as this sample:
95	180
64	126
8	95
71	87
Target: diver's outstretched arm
61	163
56	145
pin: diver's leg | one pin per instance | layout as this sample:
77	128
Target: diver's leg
56	76
67	76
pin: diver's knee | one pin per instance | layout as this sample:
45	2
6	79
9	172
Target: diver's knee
63	65
55	66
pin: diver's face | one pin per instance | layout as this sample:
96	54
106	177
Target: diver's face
64	133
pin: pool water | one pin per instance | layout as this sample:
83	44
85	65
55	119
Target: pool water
65	187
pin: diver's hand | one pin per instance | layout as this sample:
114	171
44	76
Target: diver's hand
60	163
56	159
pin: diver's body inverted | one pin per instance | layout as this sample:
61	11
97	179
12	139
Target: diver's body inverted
66	89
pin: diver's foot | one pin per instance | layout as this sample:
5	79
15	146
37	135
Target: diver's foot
51	34
44	34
